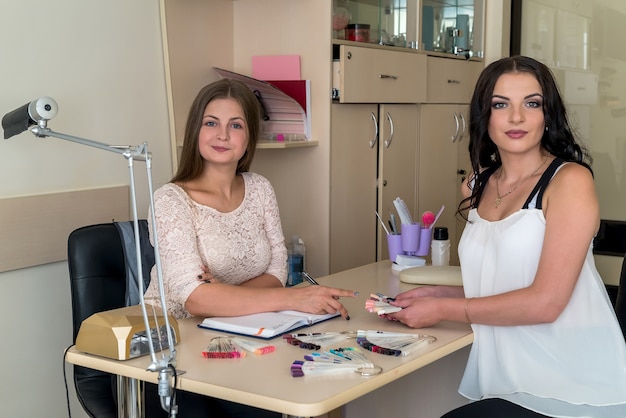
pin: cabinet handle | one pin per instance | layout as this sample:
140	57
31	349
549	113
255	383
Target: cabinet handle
462	173
458	126
394	77
464	126
375	138
388	141
454	82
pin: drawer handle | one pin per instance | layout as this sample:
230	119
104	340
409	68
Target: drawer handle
454	82
394	77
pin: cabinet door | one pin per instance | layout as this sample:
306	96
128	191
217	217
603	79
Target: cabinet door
353	153
397	157
442	145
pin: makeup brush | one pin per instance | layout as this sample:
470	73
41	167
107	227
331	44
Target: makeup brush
428	218
439	214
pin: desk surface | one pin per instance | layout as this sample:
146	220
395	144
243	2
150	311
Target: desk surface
266	382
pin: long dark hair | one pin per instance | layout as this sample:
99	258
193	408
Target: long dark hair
558	138
191	162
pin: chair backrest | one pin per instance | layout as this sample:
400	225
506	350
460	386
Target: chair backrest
620	302
97	271
98	283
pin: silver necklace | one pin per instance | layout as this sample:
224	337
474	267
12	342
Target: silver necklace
499	196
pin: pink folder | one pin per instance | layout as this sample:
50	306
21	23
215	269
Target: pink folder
276	67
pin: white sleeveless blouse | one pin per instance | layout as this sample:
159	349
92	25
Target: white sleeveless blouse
573	367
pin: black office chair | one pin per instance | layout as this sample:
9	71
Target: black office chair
620	302
98	283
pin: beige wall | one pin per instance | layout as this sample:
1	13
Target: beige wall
102	62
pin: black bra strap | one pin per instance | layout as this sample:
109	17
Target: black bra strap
540	187
481	181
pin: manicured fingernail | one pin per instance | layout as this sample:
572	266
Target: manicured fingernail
348	318
356	293
200	276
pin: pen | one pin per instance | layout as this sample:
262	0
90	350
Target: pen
310	279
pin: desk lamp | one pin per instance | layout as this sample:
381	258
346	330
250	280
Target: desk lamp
39	112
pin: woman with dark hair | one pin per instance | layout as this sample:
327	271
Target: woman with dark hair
220	236
546	338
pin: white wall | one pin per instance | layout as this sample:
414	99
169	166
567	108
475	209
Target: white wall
102	62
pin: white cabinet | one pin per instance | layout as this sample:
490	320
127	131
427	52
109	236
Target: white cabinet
373	161
443	163
443	157
353	157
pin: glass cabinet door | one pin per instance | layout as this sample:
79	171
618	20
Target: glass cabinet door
382	22
444	26
452	26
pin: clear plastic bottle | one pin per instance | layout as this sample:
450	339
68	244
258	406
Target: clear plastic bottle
440	247
295	260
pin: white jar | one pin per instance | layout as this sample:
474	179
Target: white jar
440	247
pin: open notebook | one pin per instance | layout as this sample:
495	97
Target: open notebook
266	324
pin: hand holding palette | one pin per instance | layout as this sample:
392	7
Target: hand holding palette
379	304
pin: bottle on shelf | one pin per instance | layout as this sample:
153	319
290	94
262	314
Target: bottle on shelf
440	247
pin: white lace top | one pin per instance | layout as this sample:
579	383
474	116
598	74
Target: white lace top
235	246
573	367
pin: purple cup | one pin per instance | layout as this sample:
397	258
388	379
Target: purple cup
426	235
410	238
394	246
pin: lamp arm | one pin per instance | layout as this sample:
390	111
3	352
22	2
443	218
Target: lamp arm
132	153
137	153
37	113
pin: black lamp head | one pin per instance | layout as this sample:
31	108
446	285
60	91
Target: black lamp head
37	112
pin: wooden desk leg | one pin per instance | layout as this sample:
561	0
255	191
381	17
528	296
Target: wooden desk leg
130	398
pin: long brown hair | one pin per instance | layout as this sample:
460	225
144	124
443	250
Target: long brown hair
558	138
191	162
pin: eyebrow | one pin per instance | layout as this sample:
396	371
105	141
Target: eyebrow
525	98
230	120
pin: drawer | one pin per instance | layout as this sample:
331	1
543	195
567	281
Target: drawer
452	80
370	75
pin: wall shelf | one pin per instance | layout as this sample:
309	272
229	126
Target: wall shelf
285	144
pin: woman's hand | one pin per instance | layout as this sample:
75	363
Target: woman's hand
421	305
417	312
320	299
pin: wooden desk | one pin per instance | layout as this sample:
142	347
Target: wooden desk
266	382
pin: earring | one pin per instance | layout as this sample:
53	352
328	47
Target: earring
493	157
546	128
